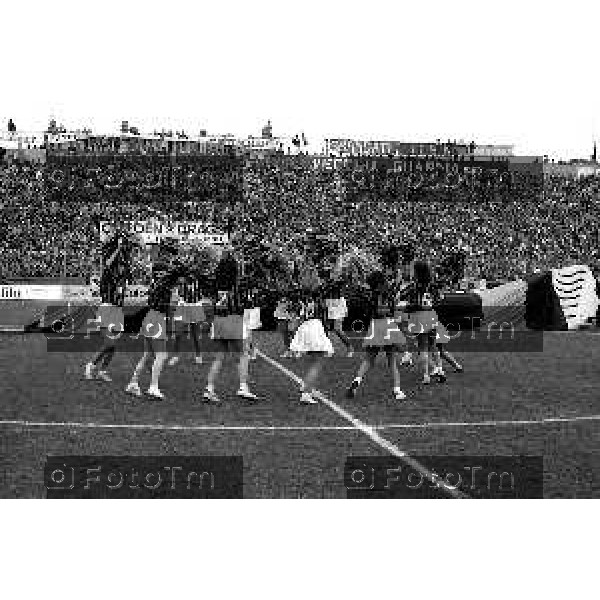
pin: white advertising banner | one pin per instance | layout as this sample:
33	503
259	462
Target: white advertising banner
153	231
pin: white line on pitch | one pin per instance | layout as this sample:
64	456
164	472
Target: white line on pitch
390	426
161	427
367	430
499	423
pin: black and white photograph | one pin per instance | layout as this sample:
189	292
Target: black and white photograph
330	251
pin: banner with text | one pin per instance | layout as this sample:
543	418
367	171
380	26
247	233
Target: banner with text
153	231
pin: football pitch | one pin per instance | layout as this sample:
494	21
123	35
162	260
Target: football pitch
504	404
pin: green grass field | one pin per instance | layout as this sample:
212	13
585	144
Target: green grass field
500	405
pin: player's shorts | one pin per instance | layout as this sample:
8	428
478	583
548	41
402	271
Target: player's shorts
384	335
228	334
134	317
189	313
442	335
421	322
231	327
334	324
154	326
110	317
311	339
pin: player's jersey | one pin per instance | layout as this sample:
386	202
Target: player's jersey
421	292
283	310
310	310
336	308
226	305
161	289
116	272
252	318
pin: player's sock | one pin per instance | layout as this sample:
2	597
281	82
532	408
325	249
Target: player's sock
154	392
307	398
399	394
439	374
89	370
406	359
245	392
104	376
210	396
351	392
133	388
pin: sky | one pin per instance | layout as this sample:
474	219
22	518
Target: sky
524	73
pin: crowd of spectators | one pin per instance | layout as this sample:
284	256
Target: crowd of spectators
50	223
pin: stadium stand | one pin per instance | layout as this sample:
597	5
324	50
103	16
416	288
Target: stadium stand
506	232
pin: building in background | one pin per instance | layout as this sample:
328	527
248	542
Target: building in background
345	147
28	146
56	142
494	150
572	170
